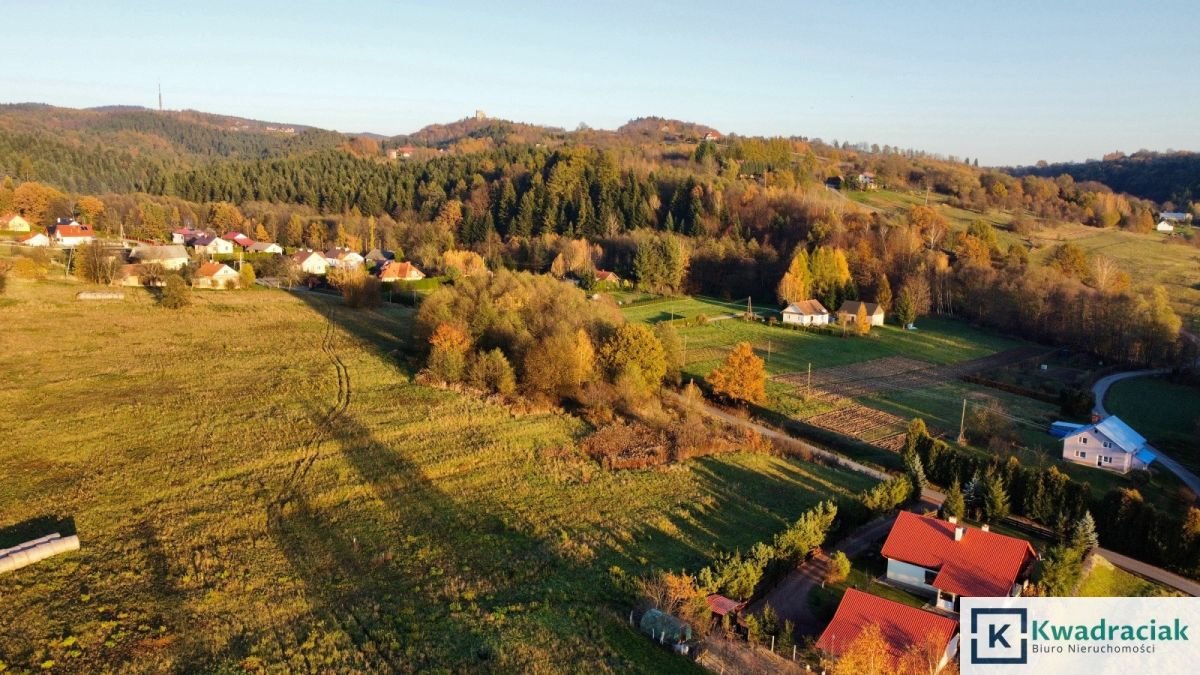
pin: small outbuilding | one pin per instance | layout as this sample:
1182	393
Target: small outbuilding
664	628
848	312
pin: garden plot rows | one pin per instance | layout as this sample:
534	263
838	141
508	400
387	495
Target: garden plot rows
861	422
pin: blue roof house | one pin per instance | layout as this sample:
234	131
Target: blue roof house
1109	444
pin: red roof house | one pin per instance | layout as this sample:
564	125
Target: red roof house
604	276
902	626
400	271
952	560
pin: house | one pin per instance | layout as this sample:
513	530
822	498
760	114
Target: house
215	275
265	247
606	277
1164	226
184	235
239	239
135	275
311	262
171	257
902	626
712	136
13	222
400	271
848	312
70	235
34	239
1175	217
1109	444
212	245
805	313
948	560
343	257
377	257
865	181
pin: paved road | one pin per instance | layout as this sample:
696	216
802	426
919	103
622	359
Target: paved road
1100	390
934	498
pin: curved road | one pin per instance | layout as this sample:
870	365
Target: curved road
1100	389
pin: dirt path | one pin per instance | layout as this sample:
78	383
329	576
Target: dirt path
789	599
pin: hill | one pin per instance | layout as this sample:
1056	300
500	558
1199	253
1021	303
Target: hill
1163	177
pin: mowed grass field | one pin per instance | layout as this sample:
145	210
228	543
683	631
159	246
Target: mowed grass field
257	483
1166	413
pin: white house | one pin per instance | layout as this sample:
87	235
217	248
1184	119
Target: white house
1164	226
344	257
949	561
35	239
212	245
215	275
265	247
311	262
805	313
72	235
13	222
171	257
848	312
1109	444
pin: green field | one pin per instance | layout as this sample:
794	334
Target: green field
256	481
1166	413
1106	581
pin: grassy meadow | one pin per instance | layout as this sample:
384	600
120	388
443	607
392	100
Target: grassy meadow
1106	581
257	483
1165	412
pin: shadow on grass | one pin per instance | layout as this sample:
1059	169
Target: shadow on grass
33	528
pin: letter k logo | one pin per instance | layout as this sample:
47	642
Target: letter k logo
996	635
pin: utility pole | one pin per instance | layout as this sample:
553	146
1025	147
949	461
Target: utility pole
749	309
962	424
768	350
810	379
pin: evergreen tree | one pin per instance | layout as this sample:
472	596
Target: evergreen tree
915	472
1084	537
955	504
995	500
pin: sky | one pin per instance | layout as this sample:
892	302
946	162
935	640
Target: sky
1006	82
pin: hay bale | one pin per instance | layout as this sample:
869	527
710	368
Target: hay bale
99	295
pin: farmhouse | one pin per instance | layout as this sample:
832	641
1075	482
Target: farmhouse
343	257
34	239
805	313
848	312
215	275
400	271
72	234
265	247
212	245
171	257
902	626
1109	444
13	222
310	262
949	560
607	277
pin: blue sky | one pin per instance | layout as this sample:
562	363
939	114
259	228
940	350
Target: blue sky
1008	82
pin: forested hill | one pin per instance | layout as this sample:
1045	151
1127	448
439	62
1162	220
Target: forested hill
1162	177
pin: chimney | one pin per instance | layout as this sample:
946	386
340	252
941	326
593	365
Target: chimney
953	520
959	532
985	527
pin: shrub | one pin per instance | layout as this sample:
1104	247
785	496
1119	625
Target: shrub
175	293
359	289
247	276
28	268
448	353
491	371
3	276
839	568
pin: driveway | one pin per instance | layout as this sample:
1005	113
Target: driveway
1100	390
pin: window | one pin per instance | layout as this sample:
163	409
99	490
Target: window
1108	460
1081	454
1083	440
930	575
1107	444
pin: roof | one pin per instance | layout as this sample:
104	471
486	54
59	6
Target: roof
851	307
31	235
399	270
902	626
605	275
302	256
982	564
204	239
808	307
1116	431
377	255
73	230
262	245
1174	215
721	605
160	252
1146	456
212	269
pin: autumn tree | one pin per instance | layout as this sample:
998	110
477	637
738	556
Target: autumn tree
741	377
862	322
449	346
924	657
492	372
463	263
96	264
246	275
175	293
89	209
839	568
867	654
635	352
796	284
883	293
